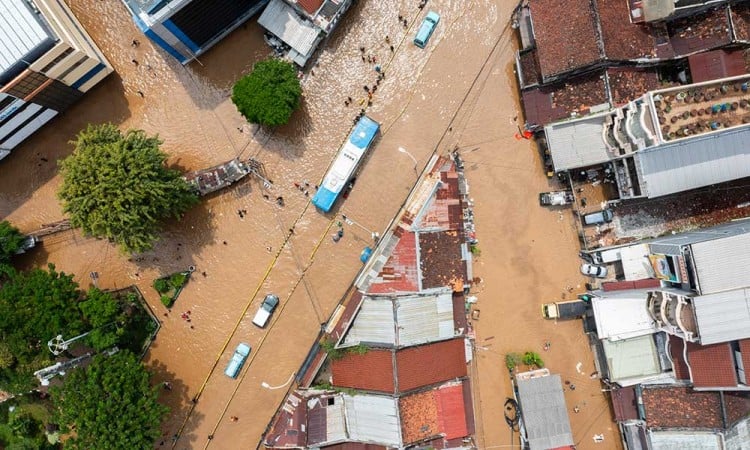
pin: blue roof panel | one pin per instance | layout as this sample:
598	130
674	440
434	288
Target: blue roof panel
324	199
364	132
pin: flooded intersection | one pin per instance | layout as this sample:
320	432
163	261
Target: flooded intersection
529	254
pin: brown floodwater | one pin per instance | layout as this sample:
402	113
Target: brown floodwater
430	98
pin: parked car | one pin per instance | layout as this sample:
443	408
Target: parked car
238	359
599	217
556	198
265	310
425	30
592	270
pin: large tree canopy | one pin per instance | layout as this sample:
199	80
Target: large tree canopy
38	305
119	187
111	403
269	94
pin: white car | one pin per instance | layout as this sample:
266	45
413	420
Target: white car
594	271
265	310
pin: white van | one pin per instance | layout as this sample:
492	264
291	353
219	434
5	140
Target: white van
265	310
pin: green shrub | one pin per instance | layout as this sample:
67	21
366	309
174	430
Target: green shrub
161	285
512	360
177	280
532	359
167	301
475	250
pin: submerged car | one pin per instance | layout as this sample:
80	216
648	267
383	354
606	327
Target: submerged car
265	310
238	359
593	270
425	30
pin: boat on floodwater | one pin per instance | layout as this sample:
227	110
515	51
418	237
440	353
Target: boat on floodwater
218	177
345	165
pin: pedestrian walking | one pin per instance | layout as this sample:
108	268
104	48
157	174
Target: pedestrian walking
134	61
387	39
140	93
135	43
392	49
234	418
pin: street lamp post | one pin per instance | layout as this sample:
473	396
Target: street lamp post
405	151
268	386
373	234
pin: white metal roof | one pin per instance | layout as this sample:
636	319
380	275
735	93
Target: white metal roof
421	320
404	320
335	421
722	264
373	418
635	262
281	20
634	358
21	32
723	316
693	163
685	440
622	316
545	416
577	143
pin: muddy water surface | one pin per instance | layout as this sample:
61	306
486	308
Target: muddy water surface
429	98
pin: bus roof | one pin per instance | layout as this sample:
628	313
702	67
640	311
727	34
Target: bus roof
364	132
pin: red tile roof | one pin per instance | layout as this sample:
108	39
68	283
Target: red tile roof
546	104
430	364
440	411
624	404
700	32
627	84
451	412
622	39
741	21
676	347
745	355
712	365
399	274
354	446
565	34
716	64
440	260
737	405
372	371
609	286
311	6
681	407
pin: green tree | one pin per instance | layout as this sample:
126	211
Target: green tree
269	94
118	186
104	315
111	403
11	241
35	306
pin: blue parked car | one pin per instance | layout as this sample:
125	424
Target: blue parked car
425	30
238	359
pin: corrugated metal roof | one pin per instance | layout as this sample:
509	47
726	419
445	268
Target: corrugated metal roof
685	440
371	418
722	264
724	316
424	319
632	358
22	33
335	420
281	20
635	262
545	416
375	323
577	143
622	316
404	320
693	163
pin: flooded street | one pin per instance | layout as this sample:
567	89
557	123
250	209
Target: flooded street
459	91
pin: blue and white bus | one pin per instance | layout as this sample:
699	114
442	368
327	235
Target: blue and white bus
345	165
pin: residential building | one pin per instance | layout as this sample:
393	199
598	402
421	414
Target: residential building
399	337
47	62
582	57
297	27
544	422
667	141
187	28
658	417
